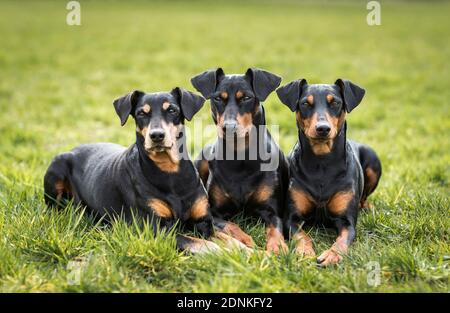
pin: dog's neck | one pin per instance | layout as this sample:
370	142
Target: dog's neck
336	158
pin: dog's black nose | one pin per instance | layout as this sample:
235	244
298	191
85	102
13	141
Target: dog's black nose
322	129
229	127
157	135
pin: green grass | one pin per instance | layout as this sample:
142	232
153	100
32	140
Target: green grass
56	90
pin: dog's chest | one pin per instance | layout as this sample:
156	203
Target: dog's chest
169	200
237	187
319	182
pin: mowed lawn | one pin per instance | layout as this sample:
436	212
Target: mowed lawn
56	90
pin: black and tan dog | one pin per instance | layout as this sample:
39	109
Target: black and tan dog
154	177
330	176
240	184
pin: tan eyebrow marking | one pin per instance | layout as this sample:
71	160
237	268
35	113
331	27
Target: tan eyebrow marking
166	105
310	99
330	98
239	94
224	95
147	108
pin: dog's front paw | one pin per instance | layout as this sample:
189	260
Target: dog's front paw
276	246
329	257
305	250
365	205
201	246
236	232
230	242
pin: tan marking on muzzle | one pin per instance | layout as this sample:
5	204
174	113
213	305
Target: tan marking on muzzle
319	147
220	120
324	146
309	125
172	132
161	208
167	160
335	124
200	208
245	122
164	161
339	202
142	131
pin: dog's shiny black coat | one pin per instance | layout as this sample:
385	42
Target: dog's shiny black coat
236	186
330	176
112	180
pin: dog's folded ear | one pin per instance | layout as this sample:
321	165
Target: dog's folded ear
190	103
263	82
206	82
290	94
352	93
125	105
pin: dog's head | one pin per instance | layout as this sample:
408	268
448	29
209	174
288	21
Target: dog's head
321	109
235	99
159	117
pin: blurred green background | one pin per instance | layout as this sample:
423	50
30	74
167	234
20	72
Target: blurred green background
56	90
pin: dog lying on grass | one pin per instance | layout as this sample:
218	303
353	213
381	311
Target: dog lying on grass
151	178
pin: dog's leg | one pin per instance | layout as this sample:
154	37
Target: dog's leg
371	167
227	229
202	221
230	242
275	239
195	245
202	167
303	242
274	231
299	206
346	234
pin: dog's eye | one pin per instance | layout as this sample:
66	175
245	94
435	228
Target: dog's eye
141	113
246	98
305	104
172	110
218	98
